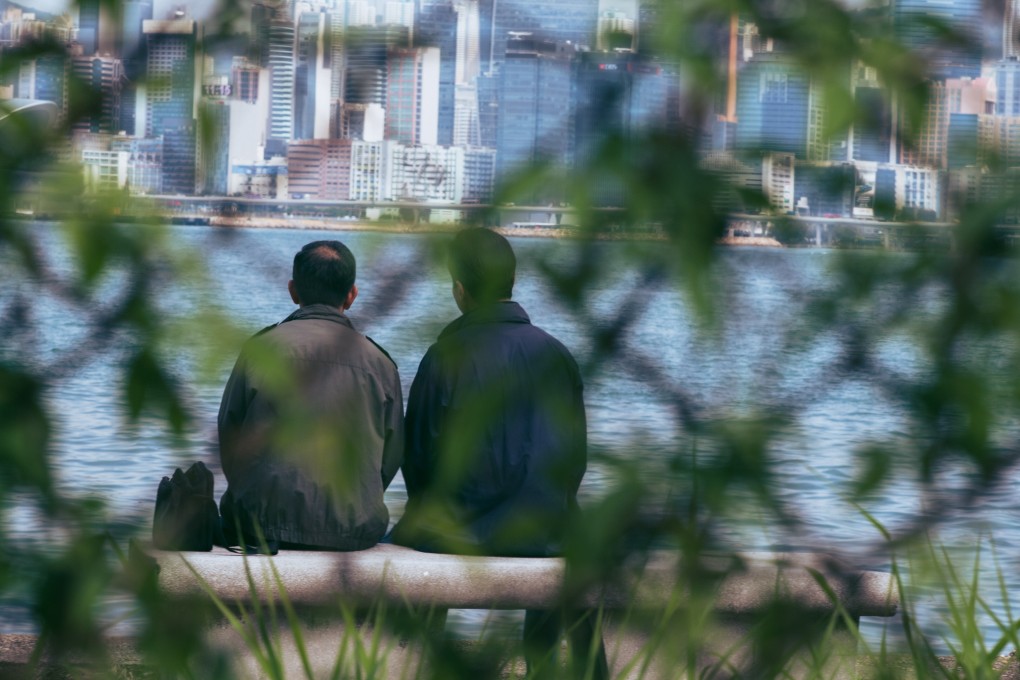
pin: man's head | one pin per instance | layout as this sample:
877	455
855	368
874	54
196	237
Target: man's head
324	274
482	265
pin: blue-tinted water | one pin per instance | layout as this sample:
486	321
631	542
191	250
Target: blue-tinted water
672	360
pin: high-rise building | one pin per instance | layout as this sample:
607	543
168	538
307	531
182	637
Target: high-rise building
927	145
616	30
132	52
617	95
1011	30
412	96
1007	87
466	130
45	78
261	16
535	121
103	76
871	136
234	132
170	99
958	56
361	13
468	39
398	13
214	169
88	26
962	140
246	77
99	27
281	81
312	77
999	141
367	51
564	21
488	108
132	43
647	19
479	174
438	26
773	96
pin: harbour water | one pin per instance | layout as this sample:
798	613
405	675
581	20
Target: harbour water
672	362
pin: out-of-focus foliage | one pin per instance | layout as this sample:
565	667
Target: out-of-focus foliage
957	410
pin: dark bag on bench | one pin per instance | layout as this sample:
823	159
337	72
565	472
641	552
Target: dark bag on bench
186	517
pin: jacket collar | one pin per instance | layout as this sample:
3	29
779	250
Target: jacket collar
498	312
323	312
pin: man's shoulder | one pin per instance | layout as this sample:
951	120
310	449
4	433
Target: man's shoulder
500	342
381	349
326	337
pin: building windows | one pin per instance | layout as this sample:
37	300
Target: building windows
774	88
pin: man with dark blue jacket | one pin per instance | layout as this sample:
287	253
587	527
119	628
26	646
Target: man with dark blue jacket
496	436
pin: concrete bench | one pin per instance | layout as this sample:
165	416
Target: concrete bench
735	595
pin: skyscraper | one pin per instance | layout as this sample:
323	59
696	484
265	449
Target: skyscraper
437	26
772	105
246	77
962	140
215	167
565	21
97	27
1011	30
367	50
412	101
281	82
573	21
535	121
261	16
170	99
1007	87
132	51
959	57
104	77
131	42
88	26
871	136
927	144
617	95
312	77
44	77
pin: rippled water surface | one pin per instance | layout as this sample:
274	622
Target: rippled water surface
672	360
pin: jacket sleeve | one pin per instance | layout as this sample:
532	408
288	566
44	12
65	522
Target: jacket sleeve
233	409
579	457
393	446
422	425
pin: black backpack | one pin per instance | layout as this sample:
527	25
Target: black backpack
186	517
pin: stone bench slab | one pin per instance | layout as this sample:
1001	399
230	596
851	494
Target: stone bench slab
744	585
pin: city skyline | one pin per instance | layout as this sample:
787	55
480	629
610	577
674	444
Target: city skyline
200	9
446	100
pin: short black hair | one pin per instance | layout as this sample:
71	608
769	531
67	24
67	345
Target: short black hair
324	273
484	263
